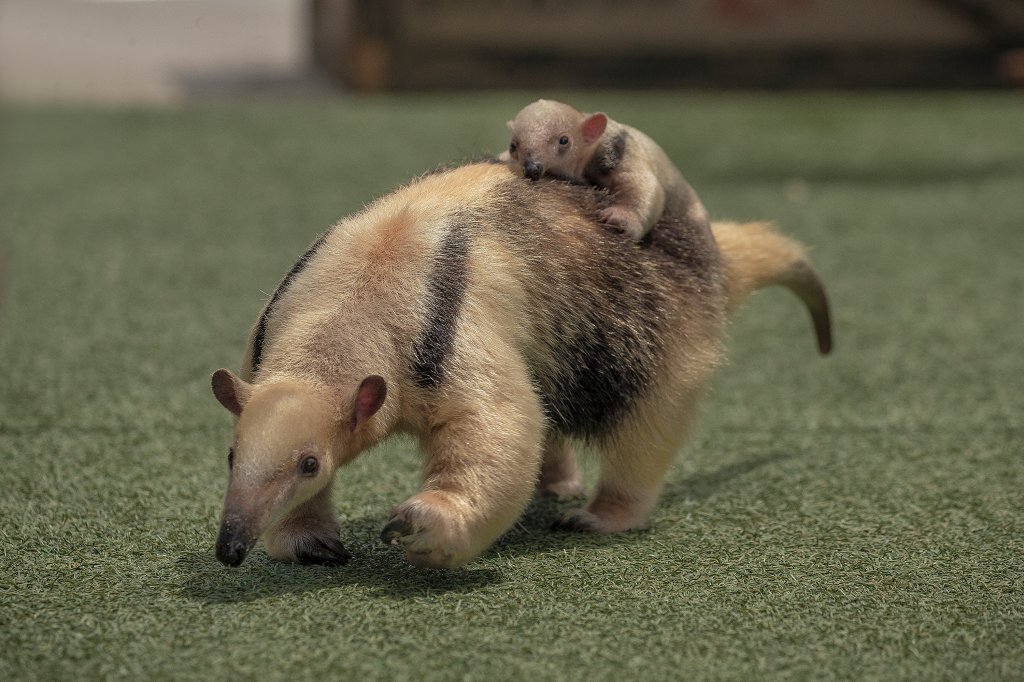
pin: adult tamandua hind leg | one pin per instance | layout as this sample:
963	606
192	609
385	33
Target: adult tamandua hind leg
634	461
560	476
636	456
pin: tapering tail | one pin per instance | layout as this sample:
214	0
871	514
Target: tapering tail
756	256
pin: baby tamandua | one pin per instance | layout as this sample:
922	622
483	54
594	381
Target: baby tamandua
552	138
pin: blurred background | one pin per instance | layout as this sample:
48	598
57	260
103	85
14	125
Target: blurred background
124	51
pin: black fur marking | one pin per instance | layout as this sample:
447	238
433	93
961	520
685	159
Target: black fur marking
594	384
259	338
445	291
606	159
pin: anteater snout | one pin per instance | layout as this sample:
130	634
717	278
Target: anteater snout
233	545
533	170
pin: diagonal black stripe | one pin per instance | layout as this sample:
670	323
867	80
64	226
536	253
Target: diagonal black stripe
445	292
259	338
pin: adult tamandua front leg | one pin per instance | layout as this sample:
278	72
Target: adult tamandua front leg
483	457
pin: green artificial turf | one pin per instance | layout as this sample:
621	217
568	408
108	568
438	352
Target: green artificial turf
860	516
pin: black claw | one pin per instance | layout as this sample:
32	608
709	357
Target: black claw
324	552
572	524
395	528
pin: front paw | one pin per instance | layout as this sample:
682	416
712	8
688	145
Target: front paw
323	551
623	220
425	526
307	544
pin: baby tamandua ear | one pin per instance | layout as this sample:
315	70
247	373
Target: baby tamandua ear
593	127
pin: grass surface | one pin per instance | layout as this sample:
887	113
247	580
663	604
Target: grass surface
856	517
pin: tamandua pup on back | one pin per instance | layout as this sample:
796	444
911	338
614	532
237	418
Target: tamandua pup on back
552	138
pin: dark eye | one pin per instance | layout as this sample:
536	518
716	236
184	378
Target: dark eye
512	148
308	466
563	140
231	458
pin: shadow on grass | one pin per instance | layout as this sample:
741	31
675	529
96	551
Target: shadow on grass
383	569
379	569
701	486
374	566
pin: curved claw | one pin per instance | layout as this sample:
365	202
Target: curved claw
323	552
573	523
396	528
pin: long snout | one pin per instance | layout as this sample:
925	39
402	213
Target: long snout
234	541
533	170
245	517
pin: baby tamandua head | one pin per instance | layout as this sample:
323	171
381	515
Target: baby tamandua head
552	138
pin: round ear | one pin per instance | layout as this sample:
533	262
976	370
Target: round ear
593	127
369	397
511	125
230	391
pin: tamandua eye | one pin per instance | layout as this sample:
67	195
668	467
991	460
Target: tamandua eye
308	466
563	140
512	148
231	458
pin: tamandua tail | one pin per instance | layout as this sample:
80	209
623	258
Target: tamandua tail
756	256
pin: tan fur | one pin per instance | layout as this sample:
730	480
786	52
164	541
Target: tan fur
756	256
560	477
641	183
361	304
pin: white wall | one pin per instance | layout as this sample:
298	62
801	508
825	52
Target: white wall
126	51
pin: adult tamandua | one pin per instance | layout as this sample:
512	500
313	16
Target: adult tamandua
496	319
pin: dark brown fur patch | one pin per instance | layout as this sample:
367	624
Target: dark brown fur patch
602	302
606	159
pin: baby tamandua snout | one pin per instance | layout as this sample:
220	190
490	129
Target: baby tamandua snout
533	170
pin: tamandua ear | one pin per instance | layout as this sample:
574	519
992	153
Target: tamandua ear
593	127
511	125
369	397
232	392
